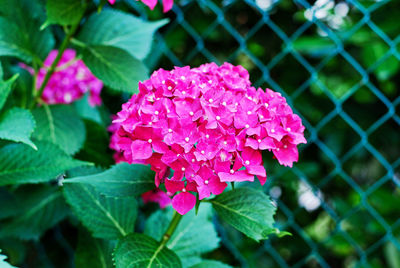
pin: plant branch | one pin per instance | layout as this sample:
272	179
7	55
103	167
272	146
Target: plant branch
171	228
38	93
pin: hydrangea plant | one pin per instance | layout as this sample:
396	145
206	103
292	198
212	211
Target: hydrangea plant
190	137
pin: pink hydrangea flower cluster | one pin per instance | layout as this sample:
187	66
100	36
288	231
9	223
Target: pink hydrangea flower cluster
208	125
71	80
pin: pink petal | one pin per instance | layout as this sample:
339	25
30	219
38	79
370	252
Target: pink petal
141	149
174	186
150	3
167	4
183	202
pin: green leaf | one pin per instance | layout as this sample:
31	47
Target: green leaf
372	53
41	208
5	88
211	263
139	250
12	41
3	263
9	204
248	210
17	125
86	111
20	34
61	125
115	67
92	252
195	234
21	164
392	255
122	30
314	45
65	12
96	148
105	217
120	180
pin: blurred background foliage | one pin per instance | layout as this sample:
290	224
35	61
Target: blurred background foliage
337	62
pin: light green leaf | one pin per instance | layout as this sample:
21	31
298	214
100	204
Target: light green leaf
19	31
17	125
61	125
5	88
120	180
115	67
195	235
373	52
41	208
250	211
122	30
3	262
211	263
139	250
92	252
105	217
314	45
21	164
392	255
65	12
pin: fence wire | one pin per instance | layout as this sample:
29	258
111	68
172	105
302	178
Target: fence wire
337	63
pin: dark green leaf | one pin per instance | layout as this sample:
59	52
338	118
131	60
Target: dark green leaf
122	30
105	217
86	111
21	164
248	210
195	234
138	250
96	147
40	209
61	125
20	34
120	180
17	125
9	204
115	67
65	12
5	89
92	252
3	262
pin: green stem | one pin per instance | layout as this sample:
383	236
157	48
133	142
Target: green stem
171	228
38	93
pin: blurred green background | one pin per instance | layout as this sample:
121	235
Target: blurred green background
337	62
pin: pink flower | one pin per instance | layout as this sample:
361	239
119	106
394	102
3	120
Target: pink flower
112	2
167	4
200	128
156	196
71	80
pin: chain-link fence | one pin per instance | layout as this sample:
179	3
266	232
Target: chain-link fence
338	65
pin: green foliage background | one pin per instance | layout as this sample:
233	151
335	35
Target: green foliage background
345	82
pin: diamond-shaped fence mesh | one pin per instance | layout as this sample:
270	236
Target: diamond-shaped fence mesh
338	65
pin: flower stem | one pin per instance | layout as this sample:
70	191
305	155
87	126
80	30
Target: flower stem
38	93
171	228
